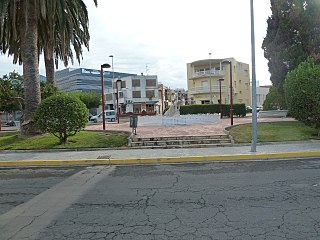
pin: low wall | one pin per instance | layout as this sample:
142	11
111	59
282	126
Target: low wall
273	113
159	120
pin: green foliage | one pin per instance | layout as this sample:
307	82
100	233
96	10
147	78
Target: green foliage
302	91
61	115
274	100
90	99
238	109
48	90
11	92
84	139
12	89
292	37
274	132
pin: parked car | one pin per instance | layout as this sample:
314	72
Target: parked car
259	108
110	116
10	124
248	109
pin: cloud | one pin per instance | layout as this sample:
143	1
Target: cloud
161	37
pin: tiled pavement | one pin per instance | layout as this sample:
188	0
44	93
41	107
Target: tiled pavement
183	130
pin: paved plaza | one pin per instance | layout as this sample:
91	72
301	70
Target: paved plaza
183	130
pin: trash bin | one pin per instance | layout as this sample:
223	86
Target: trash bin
134	123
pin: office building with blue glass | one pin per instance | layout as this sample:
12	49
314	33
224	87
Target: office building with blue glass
85	80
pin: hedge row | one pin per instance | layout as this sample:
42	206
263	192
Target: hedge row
238	109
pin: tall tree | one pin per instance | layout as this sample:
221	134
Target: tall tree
68	26
19	29
292	36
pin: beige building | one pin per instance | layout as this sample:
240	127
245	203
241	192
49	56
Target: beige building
205	76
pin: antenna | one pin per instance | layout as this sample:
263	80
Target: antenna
147	69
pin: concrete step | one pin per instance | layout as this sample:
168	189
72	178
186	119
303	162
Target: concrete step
181	142
183	146
180	138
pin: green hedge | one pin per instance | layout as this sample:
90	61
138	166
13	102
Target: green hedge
238	109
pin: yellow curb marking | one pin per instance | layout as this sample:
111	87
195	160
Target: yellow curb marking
180	159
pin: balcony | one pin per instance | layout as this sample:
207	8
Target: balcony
208	73
215	89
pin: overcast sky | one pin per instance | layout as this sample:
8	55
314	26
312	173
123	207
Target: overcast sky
161	37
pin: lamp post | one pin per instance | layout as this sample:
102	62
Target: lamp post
254	85
231	90
220	80
210	78
160	92
106	65
118	108
112	85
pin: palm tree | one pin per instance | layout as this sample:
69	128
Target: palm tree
68	26
19	29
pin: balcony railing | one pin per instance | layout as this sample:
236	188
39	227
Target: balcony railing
208	73
215	89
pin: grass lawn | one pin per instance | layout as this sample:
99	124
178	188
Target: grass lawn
83	139
274	132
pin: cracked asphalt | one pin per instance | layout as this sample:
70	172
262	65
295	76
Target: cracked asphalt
234	200
18	186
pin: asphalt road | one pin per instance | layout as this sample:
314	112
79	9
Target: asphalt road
239	200
18	186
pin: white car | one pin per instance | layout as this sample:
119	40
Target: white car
110	116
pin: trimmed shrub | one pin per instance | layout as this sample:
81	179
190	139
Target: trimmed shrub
62	116
302	91
238	109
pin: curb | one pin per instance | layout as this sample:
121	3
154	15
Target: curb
180	159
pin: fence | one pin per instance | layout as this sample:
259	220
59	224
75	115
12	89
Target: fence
159	120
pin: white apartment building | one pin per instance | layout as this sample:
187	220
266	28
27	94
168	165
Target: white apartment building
262	92
137	94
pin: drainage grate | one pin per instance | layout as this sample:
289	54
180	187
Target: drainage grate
104	157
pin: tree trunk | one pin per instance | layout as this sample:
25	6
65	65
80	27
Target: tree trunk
49	63
29	53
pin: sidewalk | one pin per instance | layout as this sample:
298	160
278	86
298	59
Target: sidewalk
139	156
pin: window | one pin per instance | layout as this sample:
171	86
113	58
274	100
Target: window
120	94
108	96
136	94
150	93
123	84
240	81
151	82
136	108
205	102
135	82
149	107
204	84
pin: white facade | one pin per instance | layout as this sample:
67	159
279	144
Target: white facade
262	92
137	94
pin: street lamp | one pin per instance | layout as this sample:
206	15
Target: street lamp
106	65
118	109
210	78
220	80
254	85
231	90
160	91
112	85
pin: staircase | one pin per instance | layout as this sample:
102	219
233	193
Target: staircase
180	141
